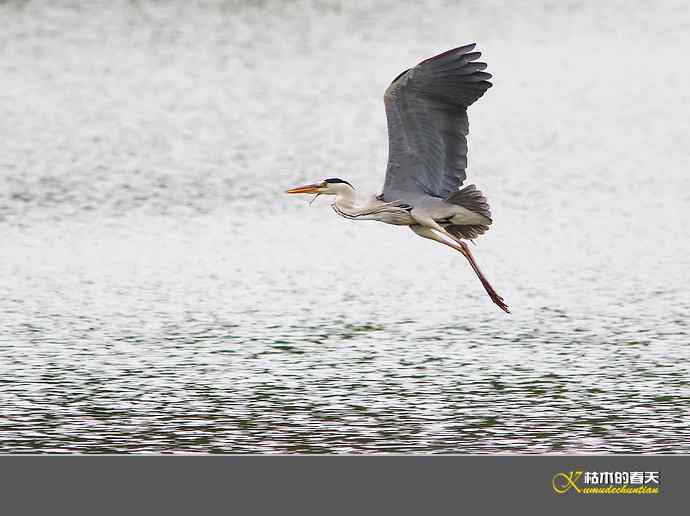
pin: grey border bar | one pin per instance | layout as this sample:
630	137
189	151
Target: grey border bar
326	485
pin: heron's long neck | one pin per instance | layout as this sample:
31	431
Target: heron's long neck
345	206
345	200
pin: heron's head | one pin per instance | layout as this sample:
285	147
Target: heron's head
332	186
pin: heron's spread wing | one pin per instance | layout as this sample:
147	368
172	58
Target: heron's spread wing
426	107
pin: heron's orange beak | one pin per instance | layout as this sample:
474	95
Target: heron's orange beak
304	189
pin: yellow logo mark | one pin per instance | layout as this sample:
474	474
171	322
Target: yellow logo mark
563	482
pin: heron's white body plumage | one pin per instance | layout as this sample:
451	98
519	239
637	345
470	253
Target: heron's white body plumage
399	213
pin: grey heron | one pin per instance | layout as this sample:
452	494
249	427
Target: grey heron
426	108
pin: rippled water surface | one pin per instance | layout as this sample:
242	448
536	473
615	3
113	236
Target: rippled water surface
161	294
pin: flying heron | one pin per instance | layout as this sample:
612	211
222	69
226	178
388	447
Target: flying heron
426	107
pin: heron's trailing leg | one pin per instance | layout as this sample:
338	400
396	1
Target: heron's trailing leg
498	300
447	239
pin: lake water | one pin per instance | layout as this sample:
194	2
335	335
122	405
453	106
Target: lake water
160	293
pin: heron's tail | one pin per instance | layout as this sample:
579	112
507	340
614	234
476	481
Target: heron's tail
467	231
473	199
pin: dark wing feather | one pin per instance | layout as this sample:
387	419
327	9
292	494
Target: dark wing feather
426	107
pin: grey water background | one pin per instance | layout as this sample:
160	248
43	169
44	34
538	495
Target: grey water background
160	293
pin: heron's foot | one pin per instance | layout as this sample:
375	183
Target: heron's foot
498	300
